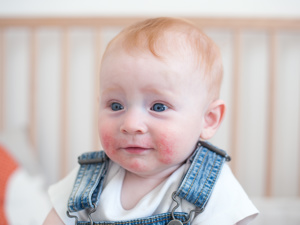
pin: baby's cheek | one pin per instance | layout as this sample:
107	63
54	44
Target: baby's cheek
167	152
106	140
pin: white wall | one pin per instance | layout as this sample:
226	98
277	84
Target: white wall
259	8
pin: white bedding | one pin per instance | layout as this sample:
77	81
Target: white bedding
277	211
26	202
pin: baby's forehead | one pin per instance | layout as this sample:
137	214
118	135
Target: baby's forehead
173	59
173	41
169	51
167	44
169	68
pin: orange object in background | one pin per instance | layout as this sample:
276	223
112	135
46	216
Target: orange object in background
7	166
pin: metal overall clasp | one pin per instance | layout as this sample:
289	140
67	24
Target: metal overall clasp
92	210
175	221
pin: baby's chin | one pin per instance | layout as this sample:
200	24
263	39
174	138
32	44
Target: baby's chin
159	172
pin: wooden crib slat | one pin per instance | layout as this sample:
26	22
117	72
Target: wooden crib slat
235	98
225	22
32	90
64	102
270	113
299	151
97	49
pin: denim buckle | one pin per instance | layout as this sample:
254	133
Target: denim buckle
216	150
83	161
175	221
92	210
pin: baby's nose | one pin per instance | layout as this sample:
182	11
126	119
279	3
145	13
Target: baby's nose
134	123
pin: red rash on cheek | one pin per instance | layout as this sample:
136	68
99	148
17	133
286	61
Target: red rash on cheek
106	140
166	150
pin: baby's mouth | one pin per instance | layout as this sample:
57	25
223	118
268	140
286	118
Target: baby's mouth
136	149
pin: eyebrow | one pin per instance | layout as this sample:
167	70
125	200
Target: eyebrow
110	89
157	91
147	89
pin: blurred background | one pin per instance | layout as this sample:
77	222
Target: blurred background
50	54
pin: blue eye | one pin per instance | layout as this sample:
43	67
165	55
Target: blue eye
116	106
159	107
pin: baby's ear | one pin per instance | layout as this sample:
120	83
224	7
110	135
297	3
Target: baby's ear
212	119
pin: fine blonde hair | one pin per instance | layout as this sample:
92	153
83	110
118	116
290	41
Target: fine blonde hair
162	36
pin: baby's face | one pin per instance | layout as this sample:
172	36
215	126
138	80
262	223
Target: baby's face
151	112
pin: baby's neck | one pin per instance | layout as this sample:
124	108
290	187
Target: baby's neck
135	187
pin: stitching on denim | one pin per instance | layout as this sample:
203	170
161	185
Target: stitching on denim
99	168
138	221
211	186
75	192
188	174
102	175
144	221
87	188
205	181
215	178
82	195
190	187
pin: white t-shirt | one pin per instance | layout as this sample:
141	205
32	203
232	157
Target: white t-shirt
227	205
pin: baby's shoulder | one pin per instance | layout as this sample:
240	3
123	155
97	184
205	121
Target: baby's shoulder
228	204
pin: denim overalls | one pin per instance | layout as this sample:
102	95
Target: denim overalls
196	186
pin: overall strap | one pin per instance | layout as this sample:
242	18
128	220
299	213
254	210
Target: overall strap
89	182
206	164
196	187
161	219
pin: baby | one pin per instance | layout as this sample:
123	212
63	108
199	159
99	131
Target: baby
159	101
